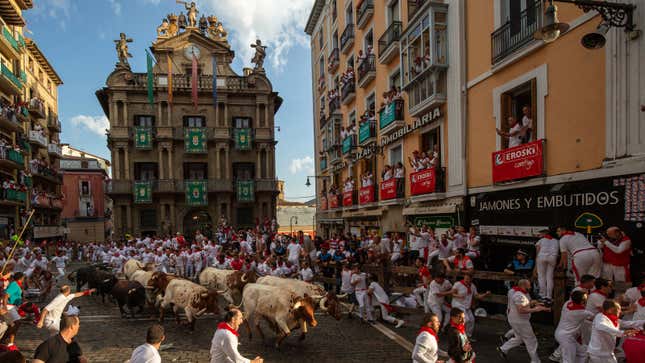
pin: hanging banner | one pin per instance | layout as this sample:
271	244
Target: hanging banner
150	79
245	191
333	202
348	199
143	192
242	139
195	140
143	138
388	189
196	192
518	162
323	203
423	182
366	195
365	132
347	144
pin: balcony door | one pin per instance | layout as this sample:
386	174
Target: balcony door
195	171
243	171
194	121
519	13
145	171
144	121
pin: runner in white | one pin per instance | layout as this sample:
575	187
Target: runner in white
50	316
568	331
378	297
358	281
60	262
547	258
585	258
426	346
606	328
438	290
463	294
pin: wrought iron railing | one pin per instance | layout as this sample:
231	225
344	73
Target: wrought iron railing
516	32
347	36
392	34
413	7
367	65
363	9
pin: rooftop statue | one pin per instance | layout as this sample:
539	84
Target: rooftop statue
203	24
215	28
260	54
122	51
192	11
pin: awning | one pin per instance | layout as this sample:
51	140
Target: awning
363	213
442	209
11	14
331	221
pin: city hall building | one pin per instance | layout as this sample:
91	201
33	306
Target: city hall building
191	140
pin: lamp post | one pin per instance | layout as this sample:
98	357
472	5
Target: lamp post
618	15
291	223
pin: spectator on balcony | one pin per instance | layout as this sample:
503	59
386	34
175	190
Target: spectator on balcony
361	56
399	174
343	133
415	161
527	123
417	67
351	130
386	174
349	185
435	160
515	134
426	57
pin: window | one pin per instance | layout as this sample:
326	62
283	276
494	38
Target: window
195	171
368	42
352	118
148	218
431	142
242	122
194	121
321	67
393	12
320	38
396	155
145	171
349	14
513	12
85	188
395	79
243	171
350	61
334	40
144	121
370	102
518	106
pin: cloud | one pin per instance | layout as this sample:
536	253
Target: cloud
305	164
278	23
59	10
93	124
116	7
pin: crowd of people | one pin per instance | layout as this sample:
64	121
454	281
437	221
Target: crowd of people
589	314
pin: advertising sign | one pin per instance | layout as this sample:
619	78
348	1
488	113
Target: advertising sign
366	195
423	182
519	162
388	189
348	201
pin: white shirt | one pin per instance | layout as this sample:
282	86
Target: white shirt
464	300
571	320
425	349
345	278
59	261
571	243
56	307
379	296
294	250
604	334
595	301
517	139
306	274
360	277
517	299
224	348
435	288
549	247
145	353
632	295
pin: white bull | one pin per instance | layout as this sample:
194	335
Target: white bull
131	266
282	308
194	299
143	277
214	278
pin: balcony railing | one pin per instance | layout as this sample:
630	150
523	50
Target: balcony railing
6	33
333	61
55	149
16	157
323	163
427	181
9	118
348	92
366	132
36	108
413	7
38	137
349	143
143	137
516	33
53	122
184	82
427	91
16	196
388	44
196	192
391	113
366	70
5	71
347	38
365	11
266	185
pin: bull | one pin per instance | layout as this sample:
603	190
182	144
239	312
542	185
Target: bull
283	309
83	275
132	265
102	281
130	293
159	281
194	299
328	302
143	277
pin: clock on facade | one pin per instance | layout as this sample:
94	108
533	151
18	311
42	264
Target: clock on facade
190	50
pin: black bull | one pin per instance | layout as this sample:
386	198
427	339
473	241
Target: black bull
130	293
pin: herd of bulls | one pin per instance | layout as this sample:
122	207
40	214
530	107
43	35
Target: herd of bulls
285	304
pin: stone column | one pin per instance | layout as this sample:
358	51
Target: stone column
257	116
160	162
258	165
217	123
225	115
115	163
227	163
127	164
170	168
114	118
125	114
218	172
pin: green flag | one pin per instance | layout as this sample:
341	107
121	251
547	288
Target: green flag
143	192
143	137
151	97
196	192
195	140
242	139
245	191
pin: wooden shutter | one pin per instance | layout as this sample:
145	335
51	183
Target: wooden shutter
533	109
507	111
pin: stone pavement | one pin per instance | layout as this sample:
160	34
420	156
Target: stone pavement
107	338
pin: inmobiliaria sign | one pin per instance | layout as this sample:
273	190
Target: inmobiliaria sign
423	182
348	201
366	195
519	162
388	189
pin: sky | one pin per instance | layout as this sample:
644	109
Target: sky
77	38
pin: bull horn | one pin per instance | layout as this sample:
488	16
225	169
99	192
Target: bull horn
322	304
316	297
220	292
244	278
106	280
204	294
342	296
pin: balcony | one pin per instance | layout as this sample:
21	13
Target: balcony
347	39
388	44
48	231
365	11
334	201
334	155
366	133
321	83
323	163
413	8
53	123
266	185
143	137
366	70
119	187
516	33
349	198
390	190
243	139
245	191
43	200
9	120
427	181
348	91
8	44
46	173
37	137
349	144
195	140
14	197
367	195
36	108
334	105
427	91
55	149
220	186
333	61
391	117
9	81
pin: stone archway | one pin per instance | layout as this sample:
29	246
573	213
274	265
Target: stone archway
197	219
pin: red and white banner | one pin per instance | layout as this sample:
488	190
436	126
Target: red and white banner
333	202
423	182
323	203
388	189
518	162
366	195
348	201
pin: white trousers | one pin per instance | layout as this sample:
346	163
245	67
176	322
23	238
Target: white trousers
61	271
385	315
586	262
363	310
442	312
585	331
420	294
52	326
615	273
570	350
523	334
395	257
545	268
611	359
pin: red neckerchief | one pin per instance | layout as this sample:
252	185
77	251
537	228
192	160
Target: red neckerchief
227	327
641	301
547	236
461	328
568	233
517	288
599	292
613	318
467	286
573	306
429	331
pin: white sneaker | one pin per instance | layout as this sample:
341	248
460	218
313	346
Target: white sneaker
399	324
554	357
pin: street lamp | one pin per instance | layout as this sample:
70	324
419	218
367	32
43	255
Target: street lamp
618	15
291	223
308	183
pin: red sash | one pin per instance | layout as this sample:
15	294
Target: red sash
227	327
517	288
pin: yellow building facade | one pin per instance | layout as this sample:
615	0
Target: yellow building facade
361	50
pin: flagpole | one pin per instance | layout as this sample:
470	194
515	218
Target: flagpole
16	242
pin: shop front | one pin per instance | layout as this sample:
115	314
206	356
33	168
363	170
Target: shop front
363	222
511	218
440	215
